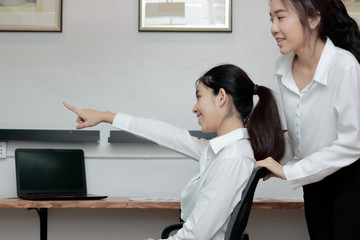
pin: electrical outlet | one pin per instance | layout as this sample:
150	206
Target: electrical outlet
2	149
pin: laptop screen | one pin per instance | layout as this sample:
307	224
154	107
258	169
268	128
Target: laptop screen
50	171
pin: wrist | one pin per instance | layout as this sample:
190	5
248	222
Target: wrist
108	117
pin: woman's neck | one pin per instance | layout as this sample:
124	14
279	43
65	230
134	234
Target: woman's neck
229	124
305	63
310	54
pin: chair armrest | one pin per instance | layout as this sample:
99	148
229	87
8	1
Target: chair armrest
167	231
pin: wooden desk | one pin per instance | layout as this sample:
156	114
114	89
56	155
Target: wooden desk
110	202
118	202
123	202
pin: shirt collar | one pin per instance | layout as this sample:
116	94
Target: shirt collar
284	65
322	69
218	143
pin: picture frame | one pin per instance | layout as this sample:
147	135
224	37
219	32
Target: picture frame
185	15
31	15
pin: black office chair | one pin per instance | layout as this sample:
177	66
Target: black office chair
240	214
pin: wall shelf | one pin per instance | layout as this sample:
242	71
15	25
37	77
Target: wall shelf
80	136
117	136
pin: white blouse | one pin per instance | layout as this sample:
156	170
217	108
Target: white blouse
226	163
323	120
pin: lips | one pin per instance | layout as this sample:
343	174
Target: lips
199	117
279	40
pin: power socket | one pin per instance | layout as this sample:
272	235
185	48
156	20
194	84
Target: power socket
2	149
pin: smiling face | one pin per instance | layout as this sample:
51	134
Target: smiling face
207	109
286	27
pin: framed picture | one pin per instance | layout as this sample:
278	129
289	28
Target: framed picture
31	15
353	8
185	15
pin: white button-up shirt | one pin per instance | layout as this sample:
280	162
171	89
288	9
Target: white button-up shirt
323	120
226	163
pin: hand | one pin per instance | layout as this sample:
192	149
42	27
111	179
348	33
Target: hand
90	117
150	239
275	168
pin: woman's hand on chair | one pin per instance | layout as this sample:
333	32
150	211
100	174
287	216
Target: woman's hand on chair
275	168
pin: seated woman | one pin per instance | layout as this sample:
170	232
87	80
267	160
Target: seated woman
225	106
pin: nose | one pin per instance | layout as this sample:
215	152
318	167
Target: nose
274	27
194	110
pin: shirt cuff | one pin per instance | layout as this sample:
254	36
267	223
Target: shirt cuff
122	121
291	177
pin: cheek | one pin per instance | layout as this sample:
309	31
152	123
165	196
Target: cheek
212	118
294	29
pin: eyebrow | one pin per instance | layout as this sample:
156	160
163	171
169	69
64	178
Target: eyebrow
278	11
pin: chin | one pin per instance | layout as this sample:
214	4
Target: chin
284	51
203	129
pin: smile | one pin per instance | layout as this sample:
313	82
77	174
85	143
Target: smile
279	41
199	117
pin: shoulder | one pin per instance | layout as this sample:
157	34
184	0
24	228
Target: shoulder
238	151
344	67
344	75
343	59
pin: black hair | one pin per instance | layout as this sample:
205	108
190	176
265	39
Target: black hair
263	122
335	22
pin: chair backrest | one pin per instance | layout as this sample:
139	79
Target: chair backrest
240	215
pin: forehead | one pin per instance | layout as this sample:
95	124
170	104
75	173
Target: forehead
279	6
202	88
276	5
199	85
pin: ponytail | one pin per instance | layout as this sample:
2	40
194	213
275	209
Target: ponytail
264	127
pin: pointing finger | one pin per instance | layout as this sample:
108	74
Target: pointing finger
71	108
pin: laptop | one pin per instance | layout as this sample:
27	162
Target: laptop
51	174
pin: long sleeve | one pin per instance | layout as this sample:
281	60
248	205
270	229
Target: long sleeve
345	149
162	133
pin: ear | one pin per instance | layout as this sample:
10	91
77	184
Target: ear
314	22
222	97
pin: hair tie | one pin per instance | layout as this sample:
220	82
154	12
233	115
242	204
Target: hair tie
256	89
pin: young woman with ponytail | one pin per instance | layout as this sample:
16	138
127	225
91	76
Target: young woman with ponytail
225	106
319	81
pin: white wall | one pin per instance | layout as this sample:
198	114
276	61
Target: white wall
100	60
